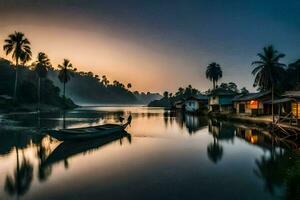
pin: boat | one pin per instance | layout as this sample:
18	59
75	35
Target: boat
89	132
68	149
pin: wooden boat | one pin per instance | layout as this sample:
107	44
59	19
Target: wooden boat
68	149
88	132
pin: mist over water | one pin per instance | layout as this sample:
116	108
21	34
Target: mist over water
165	155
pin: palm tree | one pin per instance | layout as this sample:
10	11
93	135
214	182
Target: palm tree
65	72
129	85
19	47
214	73
267	71
41	68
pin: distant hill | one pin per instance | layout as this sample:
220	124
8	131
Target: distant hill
87	88
83	88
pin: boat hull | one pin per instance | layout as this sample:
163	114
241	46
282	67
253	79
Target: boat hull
87	133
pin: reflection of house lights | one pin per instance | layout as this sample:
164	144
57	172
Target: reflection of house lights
253	139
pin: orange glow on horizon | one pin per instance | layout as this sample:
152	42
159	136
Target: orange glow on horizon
146	64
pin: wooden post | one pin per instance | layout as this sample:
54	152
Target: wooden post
273	118
297	113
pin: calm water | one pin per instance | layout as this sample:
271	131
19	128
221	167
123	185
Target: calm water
166	156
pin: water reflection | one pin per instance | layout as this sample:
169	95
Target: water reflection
19	183
192	123
256	136
215	151
280	169
197	146
69	149
220	130
43	150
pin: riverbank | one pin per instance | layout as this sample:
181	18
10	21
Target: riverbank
262	121
33	107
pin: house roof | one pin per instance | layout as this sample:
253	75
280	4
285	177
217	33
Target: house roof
222	92
199	97
276	101
250	96
292	94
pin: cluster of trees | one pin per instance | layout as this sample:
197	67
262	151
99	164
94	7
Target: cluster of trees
90	88
169	99
39	79
28	86
19	47
269	73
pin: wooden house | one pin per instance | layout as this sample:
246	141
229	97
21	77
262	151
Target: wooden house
252	103
179	104
220	100
196	103
294	97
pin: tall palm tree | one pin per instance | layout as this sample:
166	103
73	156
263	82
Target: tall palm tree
65	72
19	47
41	68
214	73
267	71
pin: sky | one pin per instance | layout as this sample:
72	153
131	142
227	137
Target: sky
156	45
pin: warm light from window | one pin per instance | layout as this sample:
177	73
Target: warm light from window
253	104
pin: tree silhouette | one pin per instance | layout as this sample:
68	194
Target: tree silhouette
105	81
267	71
19	183
166	94
244	90
214	73
65	72
41	68
19	47
215	151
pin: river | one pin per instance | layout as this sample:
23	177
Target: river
166	155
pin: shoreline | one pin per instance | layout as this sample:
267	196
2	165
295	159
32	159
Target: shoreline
261	121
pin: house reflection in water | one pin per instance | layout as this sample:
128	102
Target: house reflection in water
255	136
221	130
194	123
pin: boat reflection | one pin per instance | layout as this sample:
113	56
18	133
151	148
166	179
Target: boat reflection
69	149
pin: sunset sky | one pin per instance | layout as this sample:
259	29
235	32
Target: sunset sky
156	45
